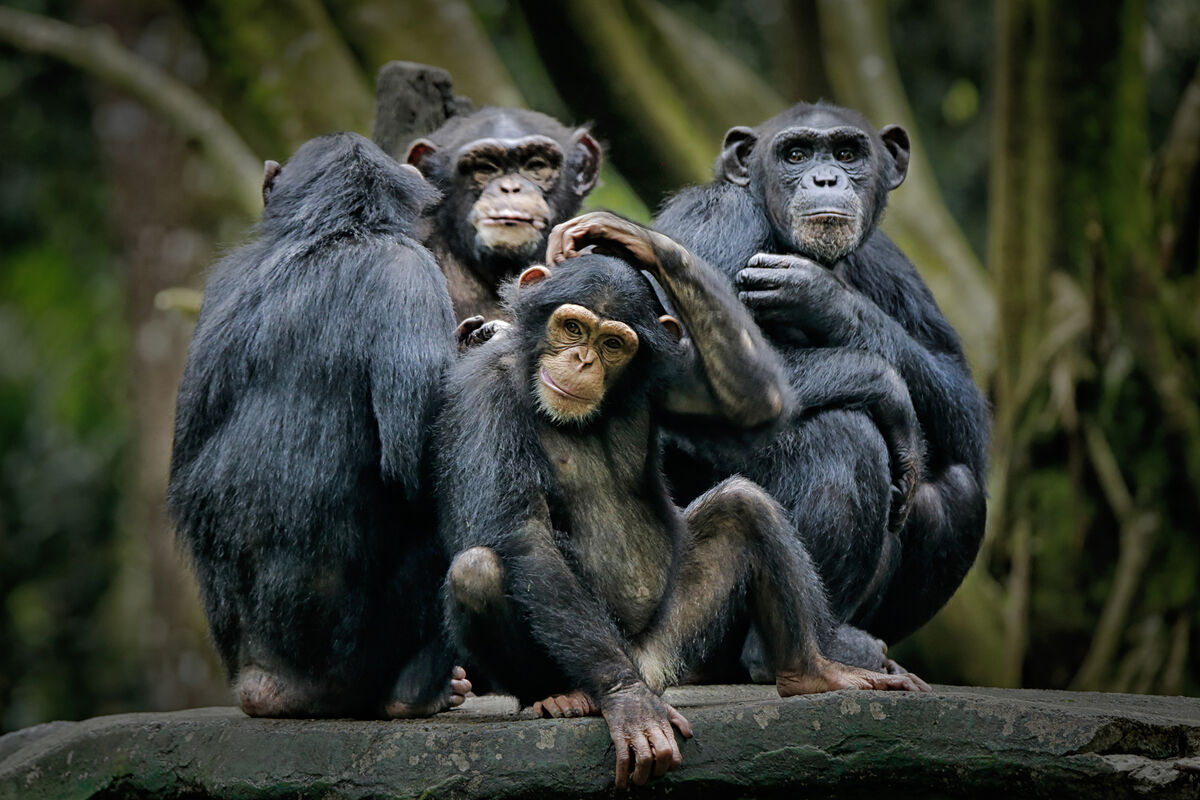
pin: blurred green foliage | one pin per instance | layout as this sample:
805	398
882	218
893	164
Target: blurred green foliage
64	426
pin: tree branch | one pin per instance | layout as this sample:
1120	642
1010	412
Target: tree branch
97	52
1137	536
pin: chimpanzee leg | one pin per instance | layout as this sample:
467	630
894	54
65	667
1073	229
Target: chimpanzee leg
831	473
490	632
743	555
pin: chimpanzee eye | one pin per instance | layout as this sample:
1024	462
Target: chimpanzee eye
486	169
536	164
613	343
572	327
796	155
845	154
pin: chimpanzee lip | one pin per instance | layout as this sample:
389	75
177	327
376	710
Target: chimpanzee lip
827	213
546	379
508	217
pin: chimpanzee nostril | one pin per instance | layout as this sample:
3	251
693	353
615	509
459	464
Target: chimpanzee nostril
825	180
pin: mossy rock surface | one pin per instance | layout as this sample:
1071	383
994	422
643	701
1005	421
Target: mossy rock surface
956	742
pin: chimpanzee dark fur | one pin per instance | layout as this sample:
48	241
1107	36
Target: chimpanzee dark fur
869	310
297	478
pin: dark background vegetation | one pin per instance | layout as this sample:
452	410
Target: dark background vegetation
1052	206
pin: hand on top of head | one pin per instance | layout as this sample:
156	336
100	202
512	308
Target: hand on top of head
605	233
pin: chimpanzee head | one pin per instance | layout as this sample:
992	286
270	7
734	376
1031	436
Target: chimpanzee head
821	173
339	180
508	176
591	329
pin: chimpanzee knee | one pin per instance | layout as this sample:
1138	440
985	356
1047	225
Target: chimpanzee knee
476	579
750	505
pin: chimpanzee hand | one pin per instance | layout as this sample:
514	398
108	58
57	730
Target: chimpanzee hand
794	292
609	234
640	721
473	331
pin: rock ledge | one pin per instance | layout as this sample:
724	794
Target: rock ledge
956	742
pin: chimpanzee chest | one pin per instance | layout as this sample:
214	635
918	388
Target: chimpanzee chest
612	533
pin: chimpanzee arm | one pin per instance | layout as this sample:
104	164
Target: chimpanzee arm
946	522
405	313
580	635
734	373
793	291
569	622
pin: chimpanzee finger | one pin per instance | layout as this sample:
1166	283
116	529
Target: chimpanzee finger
468	326
756	278
768	307
903	683
643	759
665	751
679	721
776	261
622	761
554	244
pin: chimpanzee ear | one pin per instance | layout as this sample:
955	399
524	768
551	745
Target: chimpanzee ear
589	162
533	275
270	173
418	151
895	139
672	325
732	164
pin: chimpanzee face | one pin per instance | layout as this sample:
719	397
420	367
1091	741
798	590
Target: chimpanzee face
821	174
818	185
510	180
582	327
507	176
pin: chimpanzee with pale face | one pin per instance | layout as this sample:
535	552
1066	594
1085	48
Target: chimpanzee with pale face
576	581
791	219
507	176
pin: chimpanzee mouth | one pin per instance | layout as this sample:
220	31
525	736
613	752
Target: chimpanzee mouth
554	387
511	219
826	215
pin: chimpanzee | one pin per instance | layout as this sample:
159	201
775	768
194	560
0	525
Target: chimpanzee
791	218
576	579
507	176
298	474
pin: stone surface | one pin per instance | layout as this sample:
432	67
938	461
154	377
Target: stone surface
956	742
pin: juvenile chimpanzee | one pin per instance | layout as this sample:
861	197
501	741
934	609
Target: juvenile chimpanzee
507	176
576	578
791	217
300	439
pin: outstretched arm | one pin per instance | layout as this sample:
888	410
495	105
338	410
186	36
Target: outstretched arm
581	637
738	375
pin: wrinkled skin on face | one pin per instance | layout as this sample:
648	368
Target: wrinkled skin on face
584	355
507	176
511	178
823	177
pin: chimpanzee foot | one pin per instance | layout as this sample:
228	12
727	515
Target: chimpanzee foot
575	704
832	675
455	695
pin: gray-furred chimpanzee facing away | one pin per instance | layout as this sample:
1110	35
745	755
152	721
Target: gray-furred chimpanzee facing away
576	580
791	218
507	176
300	445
